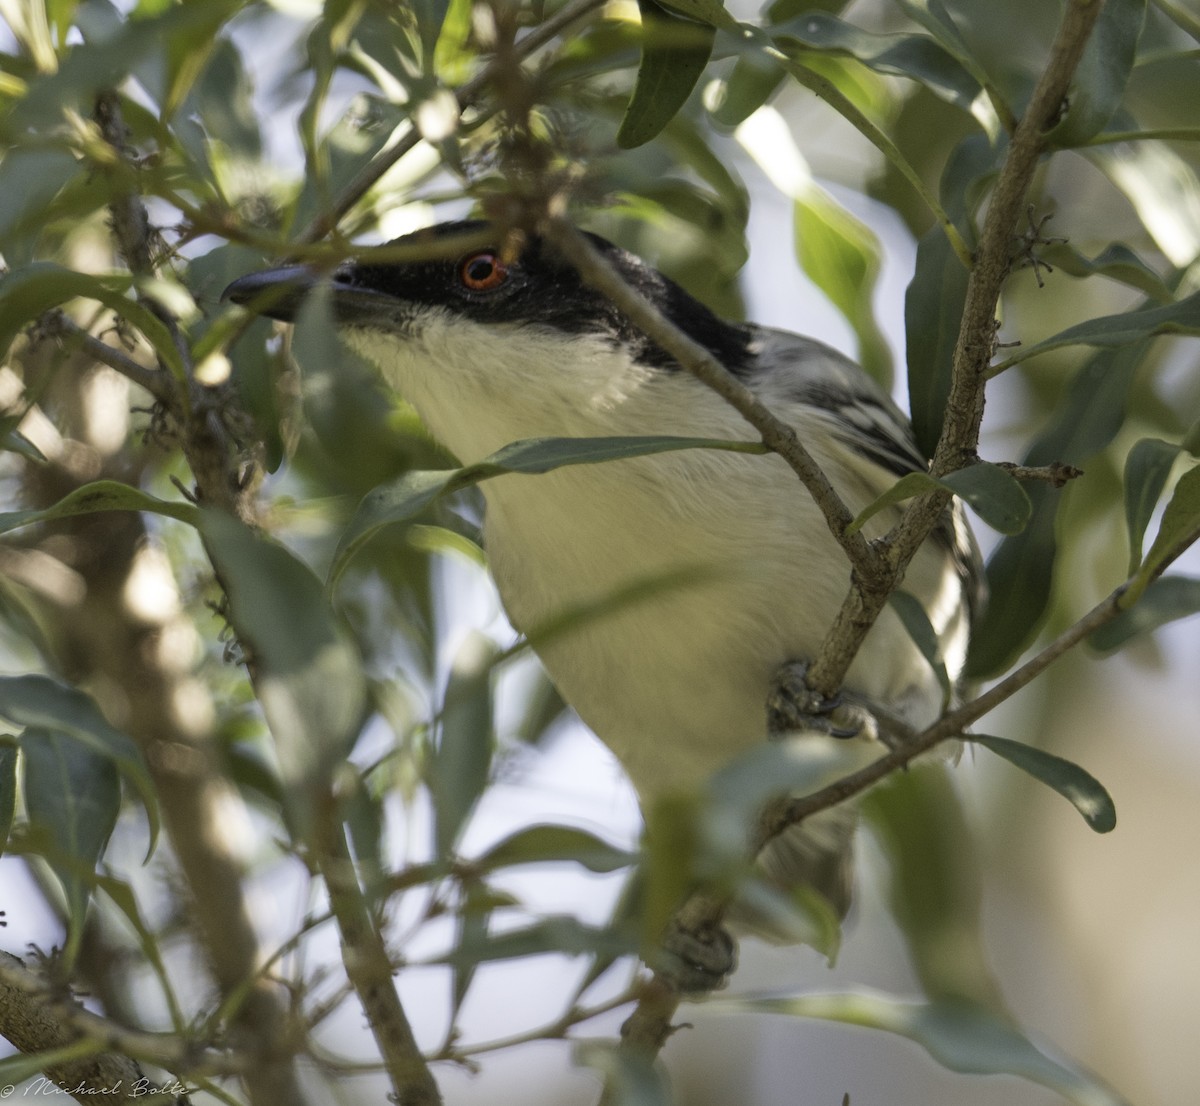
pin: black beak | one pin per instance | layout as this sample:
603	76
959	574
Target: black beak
276	293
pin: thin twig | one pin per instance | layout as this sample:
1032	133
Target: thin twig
1057	474
159	384
369	969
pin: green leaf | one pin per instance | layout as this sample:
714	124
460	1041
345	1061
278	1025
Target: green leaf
841	255
993	493
1020	572
705	11
959	1035
912	613
43	703
916	57
28	293
933	883
1146	470
459	768
675	52
16	1069
933	307
1078	787
101	495
1098	84
1165	600
309	675
8	787
751	84
1117	262
72	796
550	844
630	1079
1111	331
405	498
1180	522
13	441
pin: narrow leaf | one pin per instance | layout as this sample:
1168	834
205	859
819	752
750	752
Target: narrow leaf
72	796
549	844
961	1036
994	494
1181	522
100	495
1146	470
1077	786
705	11
1166	599
43	703
8	788
309	675
459	769
675	52
1117	262
933	307
405	498
1111	331
916	622
912	484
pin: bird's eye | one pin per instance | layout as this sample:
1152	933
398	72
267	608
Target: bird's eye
482	272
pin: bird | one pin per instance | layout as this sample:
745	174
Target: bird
703	571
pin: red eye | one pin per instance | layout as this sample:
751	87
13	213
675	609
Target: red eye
482	272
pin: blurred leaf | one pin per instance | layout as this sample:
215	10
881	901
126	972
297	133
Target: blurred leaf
28	293
958	1035
13	441
458	772
934	887
16	1069
916	57
1166	599
30	177
8	787
1098	84
308	674
1162	187
1180	522
542	707
987	110
841	255
967	177
550	844
933	307
675	52
560	934
407	497
753	81
45	704
1020	571
1116	262
912	613
1111	331
101	495
711	12
993	493
72	796
630	1079
1078	787
1146	470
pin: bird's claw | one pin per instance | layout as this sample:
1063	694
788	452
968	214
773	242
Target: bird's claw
793	706
697	961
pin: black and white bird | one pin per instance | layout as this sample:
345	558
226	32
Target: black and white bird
491	349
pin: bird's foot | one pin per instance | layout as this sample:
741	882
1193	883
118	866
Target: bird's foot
697	960
792	705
